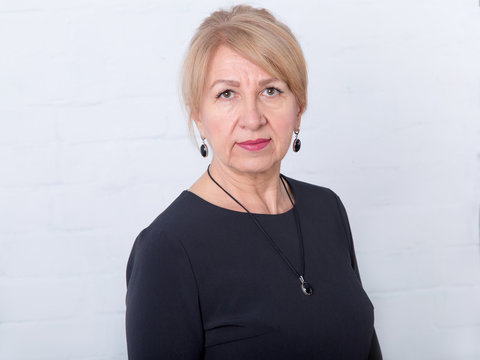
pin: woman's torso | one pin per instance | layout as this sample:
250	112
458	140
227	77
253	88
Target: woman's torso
251	303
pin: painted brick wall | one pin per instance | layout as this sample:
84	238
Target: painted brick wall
93	146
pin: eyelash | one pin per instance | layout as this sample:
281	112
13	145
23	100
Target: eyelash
223	92
278	91
219	95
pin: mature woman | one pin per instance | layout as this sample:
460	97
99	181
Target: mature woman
247	263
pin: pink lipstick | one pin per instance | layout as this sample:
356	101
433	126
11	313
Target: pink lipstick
254	145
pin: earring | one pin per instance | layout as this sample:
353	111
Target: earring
204	148
296	143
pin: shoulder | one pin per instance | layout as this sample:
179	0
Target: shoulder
160	242
155	251
308	192
314	200
174	227
317	199
181	218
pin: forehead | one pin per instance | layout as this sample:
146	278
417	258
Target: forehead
228	64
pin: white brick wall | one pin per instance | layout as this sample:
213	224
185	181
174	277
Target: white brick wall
93	146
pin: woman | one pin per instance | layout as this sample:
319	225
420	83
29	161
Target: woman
247	264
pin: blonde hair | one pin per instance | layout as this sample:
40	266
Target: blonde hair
254	34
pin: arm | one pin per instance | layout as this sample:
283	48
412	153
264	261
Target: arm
163	319
375	352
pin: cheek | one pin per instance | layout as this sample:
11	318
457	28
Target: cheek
218	127
284	122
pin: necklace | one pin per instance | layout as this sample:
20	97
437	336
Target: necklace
305	286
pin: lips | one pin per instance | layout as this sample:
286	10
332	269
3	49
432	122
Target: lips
254	145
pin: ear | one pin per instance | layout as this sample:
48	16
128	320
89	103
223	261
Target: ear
198	123
299	117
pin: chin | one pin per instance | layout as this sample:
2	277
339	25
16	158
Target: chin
256	165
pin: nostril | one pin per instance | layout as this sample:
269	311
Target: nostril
252	117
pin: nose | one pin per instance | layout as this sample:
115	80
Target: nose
251	116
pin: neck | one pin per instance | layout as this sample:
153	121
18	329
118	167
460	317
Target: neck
258	192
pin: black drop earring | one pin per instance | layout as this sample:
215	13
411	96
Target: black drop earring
296	143
204	148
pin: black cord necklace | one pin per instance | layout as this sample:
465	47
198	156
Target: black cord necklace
306	287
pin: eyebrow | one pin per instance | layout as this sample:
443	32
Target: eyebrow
237	84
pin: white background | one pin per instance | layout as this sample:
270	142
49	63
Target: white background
93	146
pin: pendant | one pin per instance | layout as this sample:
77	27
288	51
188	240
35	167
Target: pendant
306	287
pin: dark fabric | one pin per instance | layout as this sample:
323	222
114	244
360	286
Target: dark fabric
204	283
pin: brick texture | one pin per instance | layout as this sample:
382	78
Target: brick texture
93	146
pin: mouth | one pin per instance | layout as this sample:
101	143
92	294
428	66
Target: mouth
254	145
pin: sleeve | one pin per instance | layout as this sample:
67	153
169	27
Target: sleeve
163	319
375	351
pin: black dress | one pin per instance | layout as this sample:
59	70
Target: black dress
205	283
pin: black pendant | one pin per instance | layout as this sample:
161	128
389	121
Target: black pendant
296	145
307	289
204	150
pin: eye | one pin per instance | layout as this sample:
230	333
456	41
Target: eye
227	94
271	91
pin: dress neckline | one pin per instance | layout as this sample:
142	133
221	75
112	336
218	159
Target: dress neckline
242	213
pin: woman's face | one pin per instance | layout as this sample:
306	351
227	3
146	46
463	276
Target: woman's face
246	115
